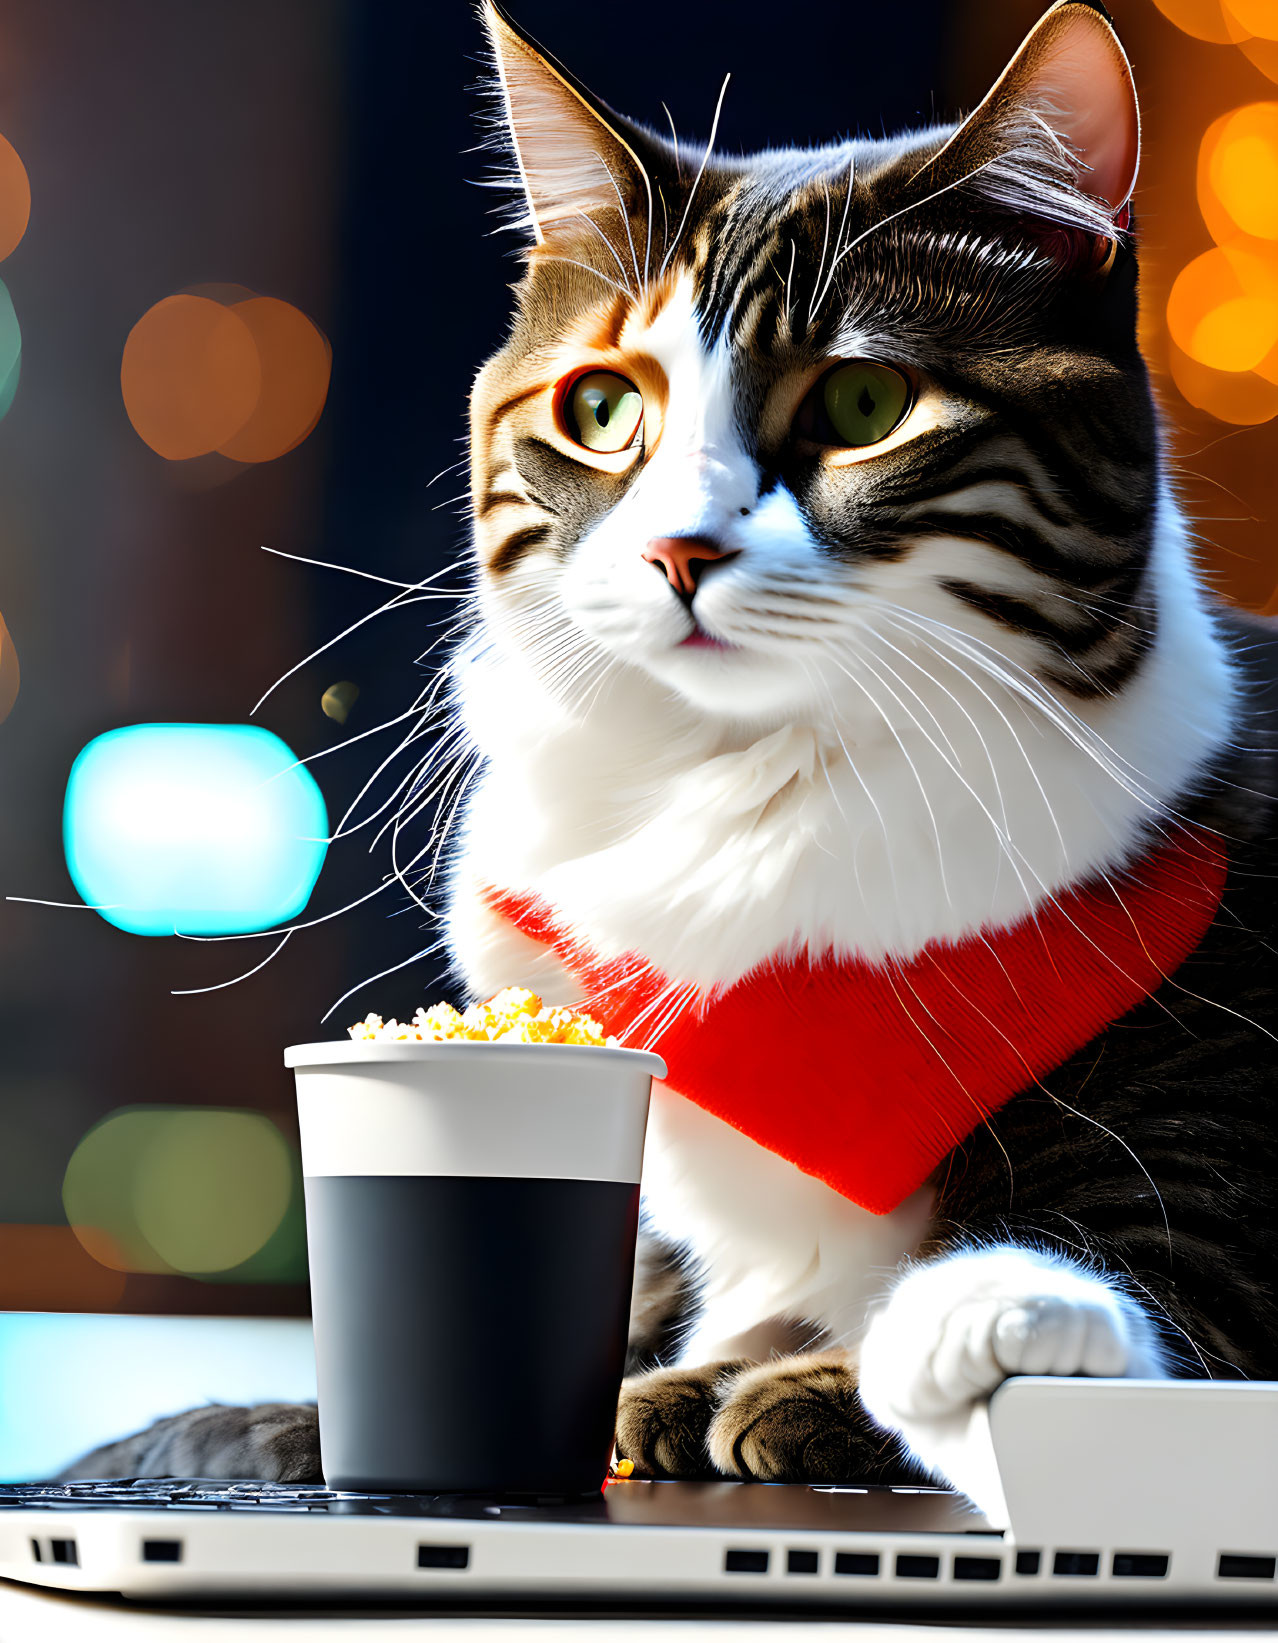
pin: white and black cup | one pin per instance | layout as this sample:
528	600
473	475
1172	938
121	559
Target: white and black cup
471	1214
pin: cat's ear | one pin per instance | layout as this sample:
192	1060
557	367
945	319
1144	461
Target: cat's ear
1058	136
573	160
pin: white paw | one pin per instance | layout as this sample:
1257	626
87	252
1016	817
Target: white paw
954	1329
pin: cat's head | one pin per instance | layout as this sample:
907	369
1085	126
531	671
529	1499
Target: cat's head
762	419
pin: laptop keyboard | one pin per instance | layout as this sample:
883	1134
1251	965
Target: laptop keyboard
212	1495
182	1494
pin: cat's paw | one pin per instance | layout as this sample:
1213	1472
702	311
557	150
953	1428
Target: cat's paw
664	1416
266	1442
955	1328
799	1420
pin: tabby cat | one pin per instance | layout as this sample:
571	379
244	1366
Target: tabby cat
856	730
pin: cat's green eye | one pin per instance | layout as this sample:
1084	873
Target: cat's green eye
859	403
604	412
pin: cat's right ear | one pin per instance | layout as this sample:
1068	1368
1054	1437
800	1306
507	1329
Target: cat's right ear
573	160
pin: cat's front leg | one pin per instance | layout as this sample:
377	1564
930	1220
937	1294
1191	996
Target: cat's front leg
271	1442
800	1419
793	1419
955	1327
664	1416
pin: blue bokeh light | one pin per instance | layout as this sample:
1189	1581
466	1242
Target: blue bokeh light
199	828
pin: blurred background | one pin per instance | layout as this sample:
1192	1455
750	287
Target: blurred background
247	277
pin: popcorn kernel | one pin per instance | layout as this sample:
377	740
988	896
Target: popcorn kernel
515	1015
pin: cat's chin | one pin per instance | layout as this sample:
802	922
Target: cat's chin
731	680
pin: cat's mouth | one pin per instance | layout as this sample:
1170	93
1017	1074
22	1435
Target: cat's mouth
699	639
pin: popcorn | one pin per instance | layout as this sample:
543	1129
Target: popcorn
512	1016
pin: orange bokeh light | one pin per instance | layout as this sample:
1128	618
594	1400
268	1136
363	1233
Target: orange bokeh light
220	371
1263	54
1256	16
1240	397
15	198
295	361
1223	308
46	1269
9	675
190	376
1238	173
1206	20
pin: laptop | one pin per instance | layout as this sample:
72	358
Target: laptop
1117	1491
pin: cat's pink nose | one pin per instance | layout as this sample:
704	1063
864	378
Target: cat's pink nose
683	558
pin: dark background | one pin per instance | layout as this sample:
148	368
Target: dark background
325	153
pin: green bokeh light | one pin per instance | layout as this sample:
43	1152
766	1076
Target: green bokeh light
204	1191
10	350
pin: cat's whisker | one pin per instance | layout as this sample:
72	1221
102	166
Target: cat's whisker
854	767
983	1118
789	278
609	246
825	243
440	838
914	205
919	782
1009	852
429	707
911	661
392	969
218	986
421	798
339	747
949	662
398	602
291	929
348	570
696	184
818	297
626	224
1087	1118
1031	691
546	256
396	792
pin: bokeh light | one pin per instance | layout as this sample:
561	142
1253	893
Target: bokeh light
15	198
9	672
1262	54
1256	16
47	1269
204	829
338	700
219	370
196	1190
10	350
1205	20
295	361
1223	308
1238	174
1242	398
190	376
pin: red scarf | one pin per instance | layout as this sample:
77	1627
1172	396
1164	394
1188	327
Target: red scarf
867	1074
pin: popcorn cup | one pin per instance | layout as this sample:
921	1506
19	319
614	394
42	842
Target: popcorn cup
471	1214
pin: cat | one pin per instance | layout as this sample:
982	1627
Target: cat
838	626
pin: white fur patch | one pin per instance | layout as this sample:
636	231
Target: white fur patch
954	1329
781	1260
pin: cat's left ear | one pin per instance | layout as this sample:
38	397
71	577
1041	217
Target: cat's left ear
574	158
1058	137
